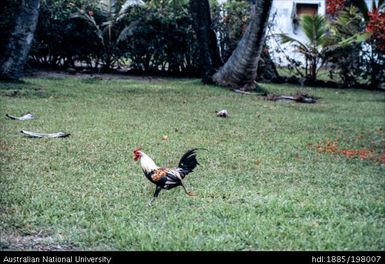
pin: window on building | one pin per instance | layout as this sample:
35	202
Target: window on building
301	9
306	9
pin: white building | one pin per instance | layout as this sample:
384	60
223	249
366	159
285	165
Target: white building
285	16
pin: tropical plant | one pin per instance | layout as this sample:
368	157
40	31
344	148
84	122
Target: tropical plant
315	29
333	7
344	47
73	33
375	54
161	40
376	26
234	22
105	29
358	38
174	4
60	41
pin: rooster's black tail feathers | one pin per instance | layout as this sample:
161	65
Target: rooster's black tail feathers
188	162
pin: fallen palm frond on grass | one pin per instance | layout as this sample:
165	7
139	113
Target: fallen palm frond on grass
59	134
27	116
299	98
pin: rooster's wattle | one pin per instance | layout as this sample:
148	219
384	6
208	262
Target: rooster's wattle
165	178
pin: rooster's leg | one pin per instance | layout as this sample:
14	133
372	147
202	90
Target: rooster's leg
157	191
188	193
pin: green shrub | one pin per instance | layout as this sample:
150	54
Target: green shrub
60	41
162	41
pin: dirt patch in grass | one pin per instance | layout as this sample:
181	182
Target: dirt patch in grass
38	242
95	76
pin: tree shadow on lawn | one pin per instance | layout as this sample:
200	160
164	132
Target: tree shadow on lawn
22	89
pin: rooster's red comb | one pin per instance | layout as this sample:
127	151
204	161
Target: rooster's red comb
137	150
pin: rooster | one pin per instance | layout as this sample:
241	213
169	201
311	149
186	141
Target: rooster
165	178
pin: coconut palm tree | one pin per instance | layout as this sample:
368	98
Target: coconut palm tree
240	70
16	53
315	29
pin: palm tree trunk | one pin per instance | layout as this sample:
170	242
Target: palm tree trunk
313	71
20	42
240	70
210	58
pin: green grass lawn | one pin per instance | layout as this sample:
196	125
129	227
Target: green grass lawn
262	184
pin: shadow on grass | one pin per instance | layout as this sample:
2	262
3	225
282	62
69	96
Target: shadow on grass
22	89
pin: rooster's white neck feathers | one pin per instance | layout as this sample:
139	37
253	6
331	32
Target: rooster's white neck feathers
147	163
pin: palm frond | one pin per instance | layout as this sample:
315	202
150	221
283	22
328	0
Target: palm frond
355	39
121	16
128	31
362	7
108	6
81	14
106	23
381	4
287	39
130	3
348	22
315	28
